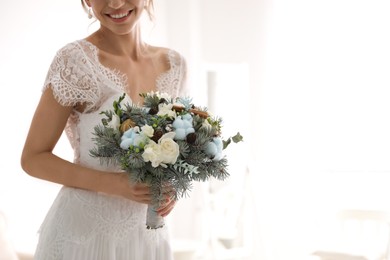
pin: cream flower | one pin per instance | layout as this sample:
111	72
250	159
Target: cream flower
166	109
169	148
166	151
152	153
147	130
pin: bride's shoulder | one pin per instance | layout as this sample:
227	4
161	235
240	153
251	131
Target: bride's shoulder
163	54
75	47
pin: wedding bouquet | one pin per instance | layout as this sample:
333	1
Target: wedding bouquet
167	143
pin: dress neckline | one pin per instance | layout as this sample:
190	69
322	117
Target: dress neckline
122	76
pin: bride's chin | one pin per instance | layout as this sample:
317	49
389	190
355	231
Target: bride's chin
119	31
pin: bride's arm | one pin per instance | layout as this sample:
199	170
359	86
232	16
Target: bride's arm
39	161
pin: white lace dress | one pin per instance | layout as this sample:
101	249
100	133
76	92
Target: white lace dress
86	225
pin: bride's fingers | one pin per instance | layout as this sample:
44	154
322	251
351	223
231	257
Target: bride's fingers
167	208
141	189
145	200
140	193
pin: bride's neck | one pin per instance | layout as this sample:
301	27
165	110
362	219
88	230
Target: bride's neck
129	45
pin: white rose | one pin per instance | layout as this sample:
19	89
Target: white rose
166	109
115	121
147	130
152	153
169	148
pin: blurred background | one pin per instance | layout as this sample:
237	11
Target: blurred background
306	82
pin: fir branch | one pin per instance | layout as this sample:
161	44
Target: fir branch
137	114
151	101
131	161
182	184
203	136
197	158
137	175
107	142
218	169
158	172
184	148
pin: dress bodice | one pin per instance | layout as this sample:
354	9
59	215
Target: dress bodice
77	76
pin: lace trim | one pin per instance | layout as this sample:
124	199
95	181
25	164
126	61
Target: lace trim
77	76
115	76
71	79
172	81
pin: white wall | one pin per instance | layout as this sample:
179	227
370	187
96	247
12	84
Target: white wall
319	95
31	32
325	92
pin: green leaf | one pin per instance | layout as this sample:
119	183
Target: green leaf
226	143
238	138
117	105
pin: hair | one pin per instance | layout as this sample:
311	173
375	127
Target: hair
149	8
84	5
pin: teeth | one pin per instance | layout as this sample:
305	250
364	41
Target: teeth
118	16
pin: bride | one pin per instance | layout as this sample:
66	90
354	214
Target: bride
98	213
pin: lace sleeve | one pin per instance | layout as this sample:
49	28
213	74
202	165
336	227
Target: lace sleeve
71	78
182	67
174	81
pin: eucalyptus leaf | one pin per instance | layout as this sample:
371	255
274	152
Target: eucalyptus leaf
238	138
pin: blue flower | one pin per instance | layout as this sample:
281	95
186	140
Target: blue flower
214	149
131	137
183	126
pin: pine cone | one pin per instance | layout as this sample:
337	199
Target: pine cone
191	138
153	111
157	135
126	125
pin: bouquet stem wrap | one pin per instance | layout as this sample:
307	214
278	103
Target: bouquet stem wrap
153	219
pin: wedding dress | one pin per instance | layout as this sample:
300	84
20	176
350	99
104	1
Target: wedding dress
85	225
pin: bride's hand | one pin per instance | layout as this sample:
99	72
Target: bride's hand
141	193
138	192
166	207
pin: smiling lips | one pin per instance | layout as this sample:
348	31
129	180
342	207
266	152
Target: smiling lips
119	17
